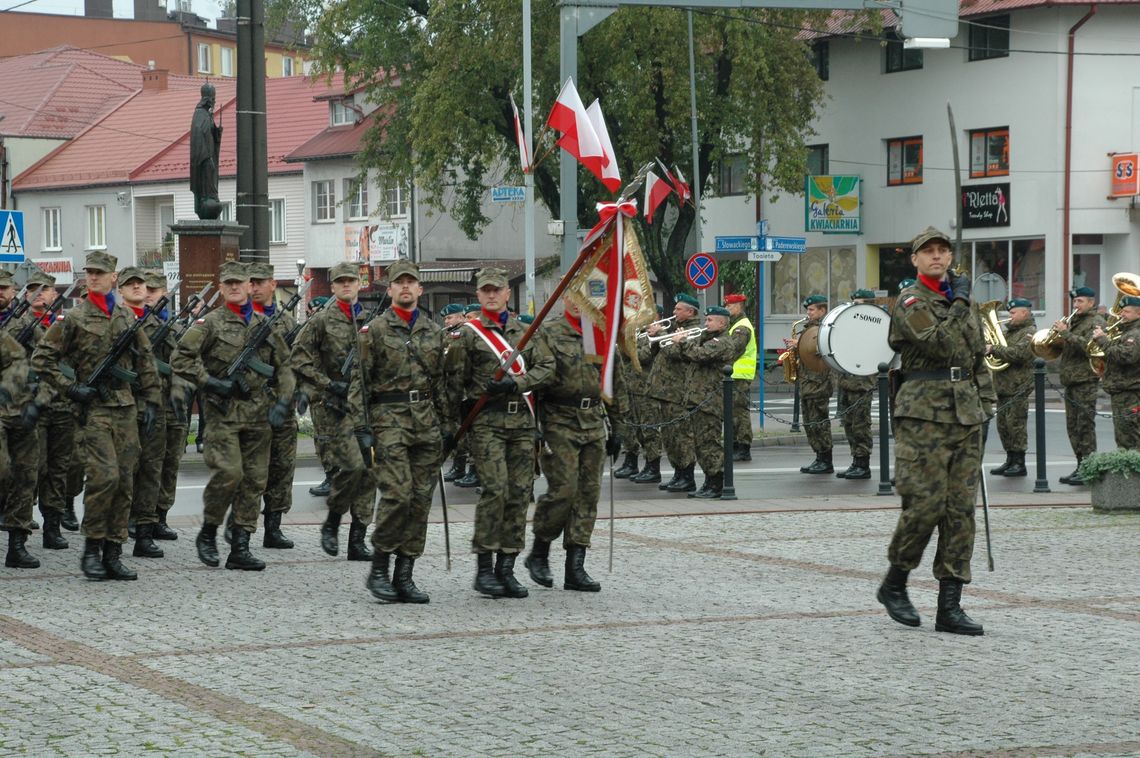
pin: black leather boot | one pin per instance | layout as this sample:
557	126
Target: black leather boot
860	468
377	582
470	479
687	483
1016	466
1075	477
53	540
92	561
131	527
161	531
485	580
402	580
704	488
804	469
144	542
240	557
892	594
505	572
207	544
323	489
576	576
714	486
1000	470
112	562
538	563
274	538
678	473
822	465
330	541
458	468
18	557
69	521
357	550
651	474
628	467
741	452
951	618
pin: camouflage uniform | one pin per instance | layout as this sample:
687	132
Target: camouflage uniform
278	495
815	396
666	381
1080	383
645	408
709	356
24	445
171	433
853	404
1014	384
625	423
16	514
1122	382
148	477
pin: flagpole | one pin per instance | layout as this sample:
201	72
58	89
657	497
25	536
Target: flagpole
528	177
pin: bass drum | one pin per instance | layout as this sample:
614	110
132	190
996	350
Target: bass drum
853	339
809	350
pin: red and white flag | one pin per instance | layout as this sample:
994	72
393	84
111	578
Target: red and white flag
610	176
578	136
520	137
656	190
684	191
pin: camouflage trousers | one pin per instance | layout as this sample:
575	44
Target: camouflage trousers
148	475
708	431
75	471
237	455
936	468
20	488
406	471
173	450
817	427
352	489
1012	420
1125	419
110	452
1080	417
282	463
57	447
854	407
572	461
680	441
505	461
741	412
644	411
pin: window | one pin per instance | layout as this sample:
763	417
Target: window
53	238
356	198
277	221
96	227
904	161
227	213
733	170
324	201
821	59
899	58
227	61
341	113
817	160
827	270
204	61
397	201
1004	269
989	38
989	152
286	66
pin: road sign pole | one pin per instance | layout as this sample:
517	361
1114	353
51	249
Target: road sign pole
760	335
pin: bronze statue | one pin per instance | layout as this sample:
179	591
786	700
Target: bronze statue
205	147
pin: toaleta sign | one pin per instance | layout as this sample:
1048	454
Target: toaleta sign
985	205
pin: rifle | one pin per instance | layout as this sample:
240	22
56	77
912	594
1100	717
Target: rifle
29	328
16	308
292	334
346	367
161	333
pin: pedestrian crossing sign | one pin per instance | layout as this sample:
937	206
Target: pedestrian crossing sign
11	236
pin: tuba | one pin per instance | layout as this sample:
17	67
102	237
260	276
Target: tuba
991	330
1047	342
1126	284
789	357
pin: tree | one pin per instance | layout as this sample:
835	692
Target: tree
456	63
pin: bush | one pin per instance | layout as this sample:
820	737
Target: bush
1123	462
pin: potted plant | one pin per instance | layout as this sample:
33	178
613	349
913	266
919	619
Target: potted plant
1114	478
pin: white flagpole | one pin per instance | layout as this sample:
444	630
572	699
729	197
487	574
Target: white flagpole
528	178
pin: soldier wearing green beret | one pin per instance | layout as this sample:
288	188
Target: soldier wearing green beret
1013	385
853	405
815	393
1121	346
1077	377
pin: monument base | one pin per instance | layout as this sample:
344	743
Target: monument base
202	248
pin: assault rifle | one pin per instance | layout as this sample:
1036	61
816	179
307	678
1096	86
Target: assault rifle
337	405
161	333
16	308
292	334
25	334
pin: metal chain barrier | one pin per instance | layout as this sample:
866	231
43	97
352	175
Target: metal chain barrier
1061	391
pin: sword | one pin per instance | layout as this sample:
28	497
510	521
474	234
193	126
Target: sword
446	531
611	569
986	518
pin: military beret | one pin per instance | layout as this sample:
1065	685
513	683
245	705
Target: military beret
863	294
660	310
905	283
344	270
6	279
526	318
156	280
735	297
41	278
260	270
1082	292
490	277
402	268
688	300
131	272
1129	300
100	261
451	309
1019	302
926	235
717	310
233	271
473	308
815	300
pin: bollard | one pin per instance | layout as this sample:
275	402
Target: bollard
728	490
884	432
1042	483
796	406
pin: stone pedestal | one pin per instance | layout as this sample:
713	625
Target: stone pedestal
202	247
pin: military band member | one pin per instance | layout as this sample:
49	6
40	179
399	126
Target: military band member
1078	378
15	515
666	382
503	434
815	394
1014	384
453	318
237	448
174	427
403	382
938	428
853	405
743	374
111	433
1122	372
644	409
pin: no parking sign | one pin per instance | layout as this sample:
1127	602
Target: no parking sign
701	271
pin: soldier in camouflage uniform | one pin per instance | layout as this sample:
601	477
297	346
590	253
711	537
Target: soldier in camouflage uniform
853	405
319	355
111	438
1014	384
320	433
402	381
453	318
471	478
666	382
625	424
815	394
174	428
1078	378
1122	372
718	347
237	447
938	428
13	376
503	434
641	412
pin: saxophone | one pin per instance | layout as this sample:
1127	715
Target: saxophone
790	357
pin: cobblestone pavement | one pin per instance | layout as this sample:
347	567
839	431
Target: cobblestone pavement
741	634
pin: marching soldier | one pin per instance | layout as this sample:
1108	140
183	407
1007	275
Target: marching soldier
471	478
453	318
110	448
320	434
15	516
503	434
743	372
402	380
237	448
938	428
174	427
1078	378
1013	385
319	358
853	405
815	394
666	383
643	408
1122	372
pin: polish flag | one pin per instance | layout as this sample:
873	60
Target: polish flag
683	189
610	176
578	136
667	176
656	190
520	137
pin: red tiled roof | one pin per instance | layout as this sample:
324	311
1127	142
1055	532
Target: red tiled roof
333	142
57	93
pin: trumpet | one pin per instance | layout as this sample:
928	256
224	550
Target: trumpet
686	334
664	323
1046	343
991	330
789	357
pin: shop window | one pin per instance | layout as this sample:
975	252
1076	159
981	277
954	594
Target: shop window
827	270
904	161
989	152
989	38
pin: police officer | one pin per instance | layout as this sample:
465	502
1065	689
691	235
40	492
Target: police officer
1014	384
743	373
237	448
174	426
15	515
453	318
1078	378
1122	371
938	428
815	394
667	380
853	404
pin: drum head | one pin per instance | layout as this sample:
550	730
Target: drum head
809	350
853	339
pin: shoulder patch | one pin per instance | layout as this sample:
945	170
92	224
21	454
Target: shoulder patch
911	300
364	329
200	321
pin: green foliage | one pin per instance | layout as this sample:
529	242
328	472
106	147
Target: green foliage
1123	462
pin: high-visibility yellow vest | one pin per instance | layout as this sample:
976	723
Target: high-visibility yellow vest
745	366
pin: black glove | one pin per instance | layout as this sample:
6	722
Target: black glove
149	419
31	415
961	287
613	446
241	389
221	387
365	441
280	413
301	402
181	402
504	386
448	443
81	393
340	389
